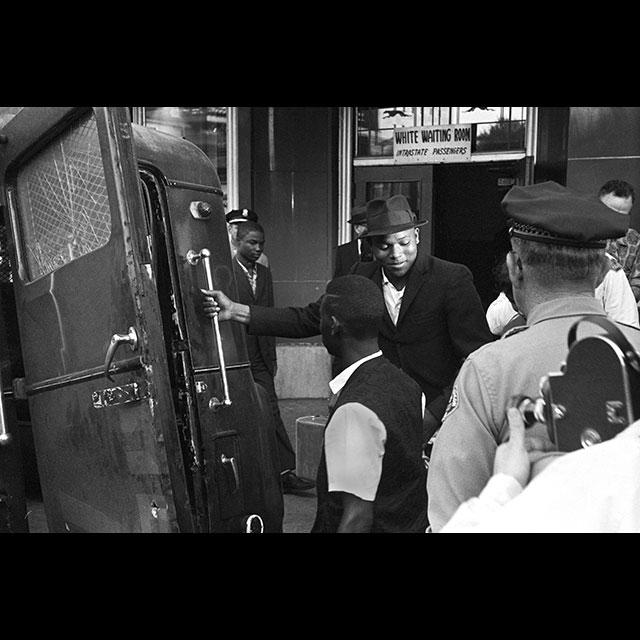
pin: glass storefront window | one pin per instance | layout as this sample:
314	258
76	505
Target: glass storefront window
206	127
494	129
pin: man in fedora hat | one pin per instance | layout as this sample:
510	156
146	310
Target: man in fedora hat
558	241
433	320
347	254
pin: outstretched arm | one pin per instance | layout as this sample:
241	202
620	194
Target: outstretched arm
287	322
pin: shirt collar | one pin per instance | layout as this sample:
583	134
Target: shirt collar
565	308
386	281
336	385
249	271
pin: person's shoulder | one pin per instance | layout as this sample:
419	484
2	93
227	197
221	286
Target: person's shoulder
396	374
262	269
446	267
366	269
510	345
514	331
347	245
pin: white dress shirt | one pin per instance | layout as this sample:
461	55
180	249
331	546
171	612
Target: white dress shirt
354	442
392	297
592	490
616	295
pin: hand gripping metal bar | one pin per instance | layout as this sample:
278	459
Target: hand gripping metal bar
193	257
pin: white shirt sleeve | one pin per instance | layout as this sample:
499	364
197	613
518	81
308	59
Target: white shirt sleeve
354	443
499	313
592	490
617	298
500	489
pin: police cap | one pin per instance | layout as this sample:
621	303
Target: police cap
241	215
550	213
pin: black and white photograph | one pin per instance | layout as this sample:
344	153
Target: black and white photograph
319	319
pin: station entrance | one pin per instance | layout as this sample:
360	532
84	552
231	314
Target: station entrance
461	202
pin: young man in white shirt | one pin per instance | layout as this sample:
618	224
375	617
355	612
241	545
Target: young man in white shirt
371	477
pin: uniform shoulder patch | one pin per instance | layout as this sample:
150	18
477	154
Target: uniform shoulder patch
452	404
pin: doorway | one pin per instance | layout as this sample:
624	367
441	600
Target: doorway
469	225
414	182
461	203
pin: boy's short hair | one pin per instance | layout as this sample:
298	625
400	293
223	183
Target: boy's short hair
246	227
357	303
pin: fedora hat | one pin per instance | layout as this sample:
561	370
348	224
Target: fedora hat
358	215
390	216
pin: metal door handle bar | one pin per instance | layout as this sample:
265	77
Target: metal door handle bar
234	466
193	257
117	339
5	436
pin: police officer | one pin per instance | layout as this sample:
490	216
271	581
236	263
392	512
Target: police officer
558	241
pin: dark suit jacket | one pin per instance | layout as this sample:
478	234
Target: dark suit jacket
441	322
261	348
346	255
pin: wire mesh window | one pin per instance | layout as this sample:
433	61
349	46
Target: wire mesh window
62	200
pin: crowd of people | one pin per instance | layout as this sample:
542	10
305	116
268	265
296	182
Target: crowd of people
421	434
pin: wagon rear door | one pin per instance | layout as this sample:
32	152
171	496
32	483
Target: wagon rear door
109	455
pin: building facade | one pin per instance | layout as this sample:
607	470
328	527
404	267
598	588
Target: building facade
302	169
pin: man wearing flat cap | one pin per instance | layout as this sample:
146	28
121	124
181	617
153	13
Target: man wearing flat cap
558	241
434	318
357	250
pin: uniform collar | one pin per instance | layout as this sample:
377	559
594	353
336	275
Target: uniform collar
565	308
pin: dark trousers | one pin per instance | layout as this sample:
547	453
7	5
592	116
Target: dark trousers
286	454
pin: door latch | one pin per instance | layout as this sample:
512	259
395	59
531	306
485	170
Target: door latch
115	396
117	339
